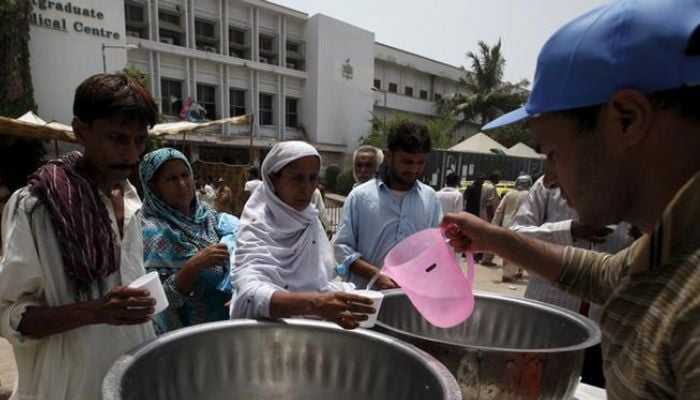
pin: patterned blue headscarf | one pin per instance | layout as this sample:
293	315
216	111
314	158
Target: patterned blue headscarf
169	237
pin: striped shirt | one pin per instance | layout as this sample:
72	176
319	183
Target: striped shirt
651	291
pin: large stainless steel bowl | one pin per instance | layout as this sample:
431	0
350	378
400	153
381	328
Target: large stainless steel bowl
294	359
510	348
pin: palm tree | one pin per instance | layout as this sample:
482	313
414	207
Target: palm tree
481	95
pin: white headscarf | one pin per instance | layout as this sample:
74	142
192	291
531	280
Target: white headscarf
278	247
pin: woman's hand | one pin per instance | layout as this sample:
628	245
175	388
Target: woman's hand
212	256
345	309
208	257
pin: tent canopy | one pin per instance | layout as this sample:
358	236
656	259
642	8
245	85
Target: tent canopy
522	150
31	126
173	128
479	143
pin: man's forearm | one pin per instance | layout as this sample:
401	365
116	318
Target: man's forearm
363	268
39	322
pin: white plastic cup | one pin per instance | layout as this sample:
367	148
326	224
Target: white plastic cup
377	298
151	282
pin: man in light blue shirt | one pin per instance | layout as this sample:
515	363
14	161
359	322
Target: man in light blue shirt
383	211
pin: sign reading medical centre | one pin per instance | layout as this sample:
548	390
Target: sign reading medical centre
62	16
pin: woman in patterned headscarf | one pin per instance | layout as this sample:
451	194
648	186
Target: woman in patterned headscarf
181	242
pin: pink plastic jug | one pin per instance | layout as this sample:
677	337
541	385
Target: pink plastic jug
426	268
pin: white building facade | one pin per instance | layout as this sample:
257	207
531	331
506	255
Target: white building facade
313	78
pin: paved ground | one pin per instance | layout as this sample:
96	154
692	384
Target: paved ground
487	279
8	371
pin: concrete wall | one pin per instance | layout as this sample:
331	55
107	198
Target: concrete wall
416	62
342	105
66	48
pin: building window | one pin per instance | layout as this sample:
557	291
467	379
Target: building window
292	47
423	94
238	43
295	55
164	16
292	116
208	47
238	53
269	59
437	96
408	91
204	29
205	38
133	12
169	37
237	36
267	43
171	96
136	24
268	52
206	97
377	84
393	88
237	100
170	31
266	114
136	32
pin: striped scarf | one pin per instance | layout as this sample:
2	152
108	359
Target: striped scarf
80	219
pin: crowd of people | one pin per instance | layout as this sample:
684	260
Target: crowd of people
610	230
78	234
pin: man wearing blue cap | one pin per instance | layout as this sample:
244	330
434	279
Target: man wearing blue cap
615	106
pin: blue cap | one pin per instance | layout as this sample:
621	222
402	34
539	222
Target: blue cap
626	44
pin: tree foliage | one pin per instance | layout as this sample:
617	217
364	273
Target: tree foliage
16	89
481	95
440	130
331	177
18	157
345	182
133	72
512	134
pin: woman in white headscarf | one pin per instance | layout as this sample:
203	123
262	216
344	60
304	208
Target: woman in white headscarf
283	262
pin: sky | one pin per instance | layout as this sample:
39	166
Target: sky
445	30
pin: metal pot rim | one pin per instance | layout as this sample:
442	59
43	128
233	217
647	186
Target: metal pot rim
588	324
114	376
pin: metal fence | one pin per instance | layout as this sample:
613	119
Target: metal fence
470	165
334	213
